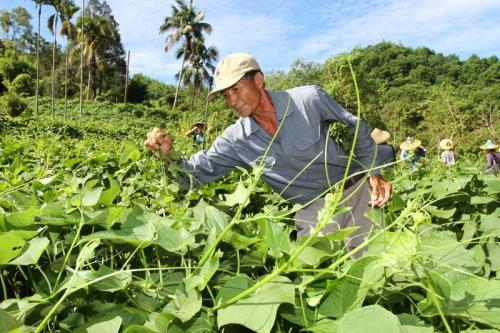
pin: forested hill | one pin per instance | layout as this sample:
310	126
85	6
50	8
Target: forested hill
411	91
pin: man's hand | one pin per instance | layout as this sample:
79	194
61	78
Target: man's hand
158	141
381	190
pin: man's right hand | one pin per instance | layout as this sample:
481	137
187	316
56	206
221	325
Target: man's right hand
158	141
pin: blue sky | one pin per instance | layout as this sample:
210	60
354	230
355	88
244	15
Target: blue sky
279	32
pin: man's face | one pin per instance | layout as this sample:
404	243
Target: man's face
243	97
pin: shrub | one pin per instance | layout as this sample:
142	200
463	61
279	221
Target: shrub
23	84
12	104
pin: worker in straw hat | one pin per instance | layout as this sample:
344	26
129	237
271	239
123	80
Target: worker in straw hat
492	157
286	132
385	151
197	133
412	151
448	155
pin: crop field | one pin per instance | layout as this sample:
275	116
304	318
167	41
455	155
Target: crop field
96	235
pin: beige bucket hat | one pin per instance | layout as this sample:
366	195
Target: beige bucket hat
410	143
230	70
446	144
380	136
489	145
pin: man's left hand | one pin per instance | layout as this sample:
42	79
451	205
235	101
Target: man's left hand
381	190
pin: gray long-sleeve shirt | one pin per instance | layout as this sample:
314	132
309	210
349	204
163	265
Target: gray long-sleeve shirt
304	114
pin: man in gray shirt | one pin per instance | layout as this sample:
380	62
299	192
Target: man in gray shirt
294	125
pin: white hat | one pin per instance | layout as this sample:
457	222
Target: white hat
230	70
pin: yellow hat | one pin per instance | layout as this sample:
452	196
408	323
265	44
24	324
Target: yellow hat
489	145
230	70
446	144
410	143
380	136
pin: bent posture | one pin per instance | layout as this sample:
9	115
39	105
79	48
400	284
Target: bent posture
303	161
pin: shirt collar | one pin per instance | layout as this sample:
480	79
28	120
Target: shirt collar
280	101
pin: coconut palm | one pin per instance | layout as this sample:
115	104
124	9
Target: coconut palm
52	26
93	44
39	4
200	69
68	29
183	24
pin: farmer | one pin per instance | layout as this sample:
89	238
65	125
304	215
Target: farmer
197	133
385	151
294	125
492	157
412	151
448	155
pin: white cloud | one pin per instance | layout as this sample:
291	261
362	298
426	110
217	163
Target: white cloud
416	23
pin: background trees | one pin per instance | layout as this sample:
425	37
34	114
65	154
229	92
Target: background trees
186	25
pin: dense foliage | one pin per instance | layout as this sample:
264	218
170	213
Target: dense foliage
97	235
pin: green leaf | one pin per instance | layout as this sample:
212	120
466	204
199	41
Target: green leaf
467	296
32	252
276	238
494	256
322	326
200	277
413	324
492	185
108	326
478	200
443	248
445	188
115	282
173	240
349	291
142	236
258	311
90	198
129	153
109	195
11	245
372	318
184	304
23	218
215	218
490	225
7	322
440	213
237	197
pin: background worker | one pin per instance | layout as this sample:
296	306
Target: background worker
412	151
492	157
302	161
197	132
448	155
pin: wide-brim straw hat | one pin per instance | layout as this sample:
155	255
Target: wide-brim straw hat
446	144
380	136
410	143
489	145
198	123
230	70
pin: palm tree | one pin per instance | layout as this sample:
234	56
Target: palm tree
52	26
200	69
39	4
184	24
93	41
68	9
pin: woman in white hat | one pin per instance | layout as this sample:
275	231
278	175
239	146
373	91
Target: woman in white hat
492	157
412	151
448	155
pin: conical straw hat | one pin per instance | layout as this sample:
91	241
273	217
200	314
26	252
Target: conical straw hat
410	143
380	136
489	145
446	144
